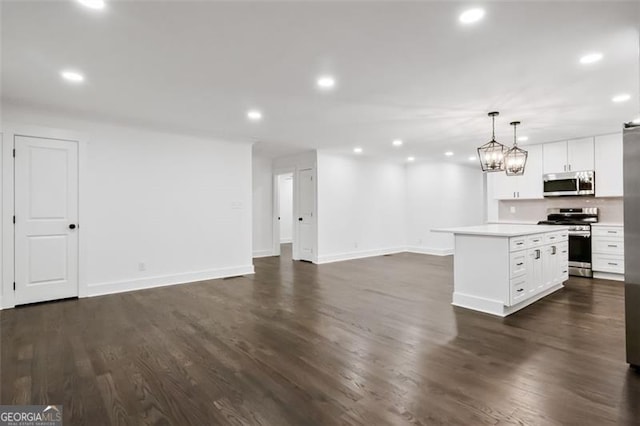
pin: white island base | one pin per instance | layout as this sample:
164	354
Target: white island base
500	269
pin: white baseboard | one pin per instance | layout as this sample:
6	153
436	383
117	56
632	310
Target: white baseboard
497	307
608	276
263	253
431	251
100	289
285	241
329	258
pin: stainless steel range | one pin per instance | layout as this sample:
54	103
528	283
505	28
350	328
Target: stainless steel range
579	221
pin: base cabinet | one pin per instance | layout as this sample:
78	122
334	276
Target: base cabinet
608	251
500	268
537	264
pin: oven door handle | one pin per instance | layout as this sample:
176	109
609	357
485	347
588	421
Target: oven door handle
585	234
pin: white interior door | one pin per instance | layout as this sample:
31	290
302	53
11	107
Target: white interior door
306	214
285	207
46	214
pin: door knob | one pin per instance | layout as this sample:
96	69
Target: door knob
300	219
72	226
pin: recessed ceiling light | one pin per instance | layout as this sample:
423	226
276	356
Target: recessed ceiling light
254	115
326	82
411	159
93	4
472	15
472	158
623	97
523	138
397	142
357	150
72	76
590	58
448	153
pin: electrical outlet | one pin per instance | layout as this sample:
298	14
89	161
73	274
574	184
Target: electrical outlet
355	245
420	242
142	266
512	209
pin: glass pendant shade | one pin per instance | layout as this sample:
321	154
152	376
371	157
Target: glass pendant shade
492	153
515	159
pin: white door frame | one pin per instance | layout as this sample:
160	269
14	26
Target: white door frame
7	142
276	211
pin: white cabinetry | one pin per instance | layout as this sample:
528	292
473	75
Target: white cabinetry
501	268
570	156
554	157
580	154
538	263
527	186
608	165
607	249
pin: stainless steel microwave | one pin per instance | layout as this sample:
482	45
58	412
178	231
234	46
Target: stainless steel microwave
570	183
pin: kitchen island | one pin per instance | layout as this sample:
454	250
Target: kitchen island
502	268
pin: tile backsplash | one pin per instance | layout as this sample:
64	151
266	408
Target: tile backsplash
611	209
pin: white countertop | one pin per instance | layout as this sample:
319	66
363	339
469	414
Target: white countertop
607	224
503	230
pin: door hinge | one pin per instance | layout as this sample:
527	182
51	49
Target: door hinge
14	153
14	286
14	220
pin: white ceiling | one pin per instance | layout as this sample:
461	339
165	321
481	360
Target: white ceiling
404	70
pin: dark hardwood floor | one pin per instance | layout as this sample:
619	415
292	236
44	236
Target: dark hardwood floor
372	341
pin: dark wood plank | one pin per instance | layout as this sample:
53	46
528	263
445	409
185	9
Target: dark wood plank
371	341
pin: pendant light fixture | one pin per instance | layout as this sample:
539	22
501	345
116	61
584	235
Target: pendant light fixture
515	158
491	154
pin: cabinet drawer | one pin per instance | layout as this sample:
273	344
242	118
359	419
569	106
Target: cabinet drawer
608	245
608	263
518	263
607	231
564	235
518	243
535	241
554	237
563	250
518	289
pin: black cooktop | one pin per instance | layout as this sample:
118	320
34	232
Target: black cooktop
562	222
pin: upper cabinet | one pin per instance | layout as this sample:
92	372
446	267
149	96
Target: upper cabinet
580	154
554	157
527	186
602	154
608	165
570	156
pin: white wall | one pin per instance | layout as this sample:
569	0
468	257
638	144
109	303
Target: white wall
285	208
361	207
441	195
262	206
180	204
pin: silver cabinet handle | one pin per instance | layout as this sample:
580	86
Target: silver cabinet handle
613	264
612	245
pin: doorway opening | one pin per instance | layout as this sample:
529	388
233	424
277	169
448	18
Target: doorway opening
285	213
